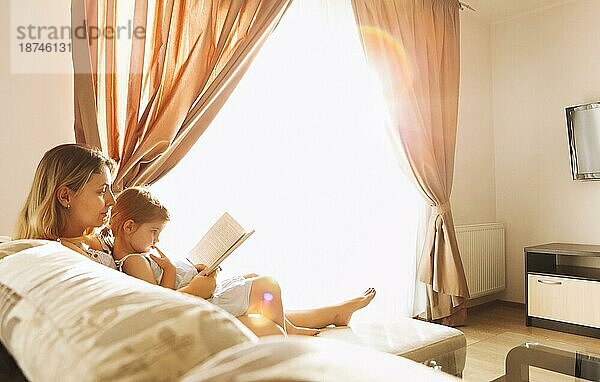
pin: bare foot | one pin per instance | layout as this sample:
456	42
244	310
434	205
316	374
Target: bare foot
299	331
349	307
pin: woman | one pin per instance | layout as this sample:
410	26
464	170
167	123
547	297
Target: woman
71	197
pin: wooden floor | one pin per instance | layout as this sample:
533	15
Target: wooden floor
495	328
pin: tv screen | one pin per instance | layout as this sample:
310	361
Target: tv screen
583	126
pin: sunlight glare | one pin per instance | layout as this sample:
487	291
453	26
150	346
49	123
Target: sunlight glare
300	153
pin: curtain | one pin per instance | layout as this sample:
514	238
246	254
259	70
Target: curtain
185	59
307	164
413	48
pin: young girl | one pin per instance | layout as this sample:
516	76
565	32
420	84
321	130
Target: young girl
137	220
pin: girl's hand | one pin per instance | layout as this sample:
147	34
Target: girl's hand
200	267
203	286
250	275
162	260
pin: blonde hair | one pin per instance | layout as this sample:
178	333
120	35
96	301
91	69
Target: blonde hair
139	205
70	165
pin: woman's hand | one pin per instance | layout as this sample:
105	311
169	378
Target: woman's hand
250	275
162	260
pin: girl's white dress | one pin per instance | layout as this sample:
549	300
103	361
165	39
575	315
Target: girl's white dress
232	294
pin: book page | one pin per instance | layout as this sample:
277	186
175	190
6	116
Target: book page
217	241
216	263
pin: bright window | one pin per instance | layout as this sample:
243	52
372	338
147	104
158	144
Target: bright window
299	152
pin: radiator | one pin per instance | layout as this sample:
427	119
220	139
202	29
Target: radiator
482	251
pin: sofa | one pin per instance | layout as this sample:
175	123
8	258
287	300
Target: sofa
434	345
63	317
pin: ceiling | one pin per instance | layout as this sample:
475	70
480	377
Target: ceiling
497	10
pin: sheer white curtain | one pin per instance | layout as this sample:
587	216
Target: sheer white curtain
300	153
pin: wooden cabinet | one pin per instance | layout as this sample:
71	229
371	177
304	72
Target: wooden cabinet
563	287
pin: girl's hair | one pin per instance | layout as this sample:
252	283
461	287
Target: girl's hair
70	165
139	205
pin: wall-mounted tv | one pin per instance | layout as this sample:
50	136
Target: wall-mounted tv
583	126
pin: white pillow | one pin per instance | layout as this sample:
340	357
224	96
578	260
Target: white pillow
64	317
11	247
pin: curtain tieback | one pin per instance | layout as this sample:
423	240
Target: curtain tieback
441	209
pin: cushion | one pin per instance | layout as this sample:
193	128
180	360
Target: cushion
12	247
298	358
9	370
413	339
64	317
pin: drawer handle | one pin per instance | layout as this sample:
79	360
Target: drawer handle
549	282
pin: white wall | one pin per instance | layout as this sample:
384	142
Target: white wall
541	63
474	191
473	195
36	113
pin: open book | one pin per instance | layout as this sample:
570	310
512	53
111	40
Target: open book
218	243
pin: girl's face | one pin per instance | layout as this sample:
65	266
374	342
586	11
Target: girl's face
90	205
145	236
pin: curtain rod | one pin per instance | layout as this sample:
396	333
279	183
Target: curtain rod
465	5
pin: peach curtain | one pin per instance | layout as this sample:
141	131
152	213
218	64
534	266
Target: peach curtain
192	55
413	48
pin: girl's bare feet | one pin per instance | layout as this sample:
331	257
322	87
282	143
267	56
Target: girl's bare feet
349	307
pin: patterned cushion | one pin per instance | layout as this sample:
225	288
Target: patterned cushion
64	317
11	247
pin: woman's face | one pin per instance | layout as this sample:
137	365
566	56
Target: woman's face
90	205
